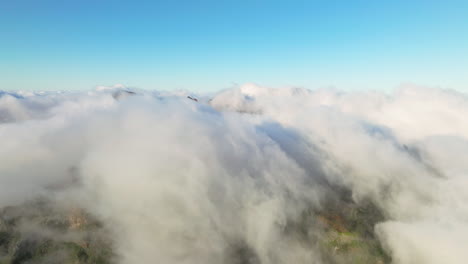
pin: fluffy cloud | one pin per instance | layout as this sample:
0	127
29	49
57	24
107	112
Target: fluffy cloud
225	180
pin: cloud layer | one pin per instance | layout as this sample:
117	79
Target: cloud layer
228	179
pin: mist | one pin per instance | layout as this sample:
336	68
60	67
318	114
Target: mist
248	175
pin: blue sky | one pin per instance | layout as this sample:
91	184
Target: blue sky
212	45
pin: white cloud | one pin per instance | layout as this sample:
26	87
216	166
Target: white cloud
186	182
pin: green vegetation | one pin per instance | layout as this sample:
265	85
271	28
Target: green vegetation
342	231
35	233
349	233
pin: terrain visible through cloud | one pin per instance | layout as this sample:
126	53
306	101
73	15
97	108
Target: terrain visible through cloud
248	175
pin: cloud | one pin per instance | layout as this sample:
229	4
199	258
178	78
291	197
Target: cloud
247	176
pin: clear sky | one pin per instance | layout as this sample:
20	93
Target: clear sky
210	45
